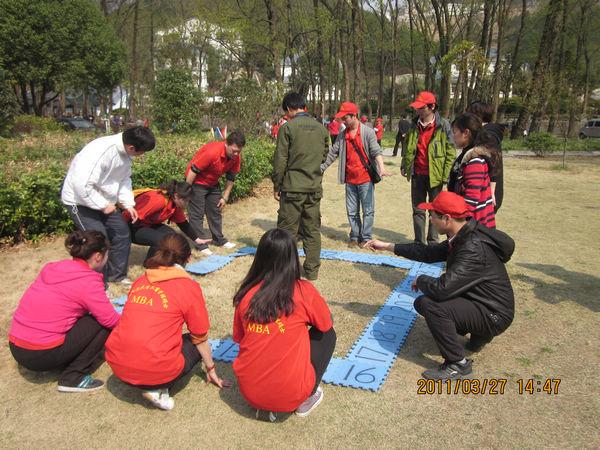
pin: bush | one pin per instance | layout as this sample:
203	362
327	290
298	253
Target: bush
176	101
26	124
541	143
247	105
30	205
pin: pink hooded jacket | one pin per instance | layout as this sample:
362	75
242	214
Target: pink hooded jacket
63	292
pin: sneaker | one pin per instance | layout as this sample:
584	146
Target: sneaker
229	245
476	343
206	252
266	415
449	371
87	384
310	403
160	398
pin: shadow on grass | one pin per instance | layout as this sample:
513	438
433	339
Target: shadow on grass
337	234
43	377
131	394
575	286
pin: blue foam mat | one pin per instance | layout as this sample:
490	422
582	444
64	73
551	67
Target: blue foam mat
371	357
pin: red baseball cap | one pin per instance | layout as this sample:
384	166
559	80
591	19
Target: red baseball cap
448	203
345	109
424	98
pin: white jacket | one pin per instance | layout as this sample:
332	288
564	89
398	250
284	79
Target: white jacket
100	174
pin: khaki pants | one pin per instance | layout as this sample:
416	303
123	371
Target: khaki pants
300	214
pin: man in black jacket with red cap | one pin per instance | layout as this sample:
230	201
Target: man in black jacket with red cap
473	296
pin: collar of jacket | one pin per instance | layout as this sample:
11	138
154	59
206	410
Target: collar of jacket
438	121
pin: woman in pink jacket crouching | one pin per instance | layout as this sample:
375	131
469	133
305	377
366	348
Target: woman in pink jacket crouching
64	317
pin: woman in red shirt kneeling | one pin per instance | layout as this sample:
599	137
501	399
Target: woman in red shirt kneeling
157	206
281	361
147	349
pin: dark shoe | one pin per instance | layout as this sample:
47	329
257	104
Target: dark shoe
353	244
449	371
476	343
87	384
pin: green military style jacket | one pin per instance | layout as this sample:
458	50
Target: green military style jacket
440	152
302	144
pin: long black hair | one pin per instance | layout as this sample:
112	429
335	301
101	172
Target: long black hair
83	244
276	264
468	121
490	142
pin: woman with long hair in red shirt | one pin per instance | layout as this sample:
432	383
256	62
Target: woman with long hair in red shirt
284	329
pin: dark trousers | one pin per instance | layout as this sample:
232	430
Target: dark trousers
191	355
300	214
322	346
150	236
204	202
114	227
83	343
459	316
419	192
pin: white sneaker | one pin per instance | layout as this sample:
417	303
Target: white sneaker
229	245
160	398
206	252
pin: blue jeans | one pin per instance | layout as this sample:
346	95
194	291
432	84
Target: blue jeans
357	196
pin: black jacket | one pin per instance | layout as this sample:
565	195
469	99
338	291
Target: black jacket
474	268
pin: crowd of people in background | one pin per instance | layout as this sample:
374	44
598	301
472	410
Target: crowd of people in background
282	323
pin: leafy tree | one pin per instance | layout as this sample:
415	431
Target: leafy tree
47	45
176	101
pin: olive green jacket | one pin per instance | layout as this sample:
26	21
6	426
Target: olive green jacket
440	152
302	144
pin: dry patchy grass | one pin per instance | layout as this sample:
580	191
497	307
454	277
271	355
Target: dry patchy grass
551	214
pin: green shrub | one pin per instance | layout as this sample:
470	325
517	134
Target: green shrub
542	143
30	205
176	101
8	104
27	124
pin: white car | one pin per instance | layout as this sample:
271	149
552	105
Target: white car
590	129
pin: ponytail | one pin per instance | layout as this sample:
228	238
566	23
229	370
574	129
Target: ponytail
83	244
181	188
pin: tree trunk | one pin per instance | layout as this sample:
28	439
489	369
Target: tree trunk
503	9
536	98
321	81
558	72
514	65
133	74
412	49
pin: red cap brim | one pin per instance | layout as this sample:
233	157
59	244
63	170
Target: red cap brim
417	104
425	205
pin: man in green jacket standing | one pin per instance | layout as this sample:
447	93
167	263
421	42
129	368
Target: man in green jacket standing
427	160
302	144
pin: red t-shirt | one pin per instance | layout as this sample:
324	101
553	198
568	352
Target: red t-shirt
273	366
355	169
145	347
334	127
379	131
210	163
154	208
422	158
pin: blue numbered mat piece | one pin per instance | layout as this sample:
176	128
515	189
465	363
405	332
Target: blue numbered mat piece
214	344
208	265
399	263
227	351
118	308
244	251
343	372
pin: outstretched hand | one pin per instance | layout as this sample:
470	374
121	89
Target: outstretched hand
212	377
375	245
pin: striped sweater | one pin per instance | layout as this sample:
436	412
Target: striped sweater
473	183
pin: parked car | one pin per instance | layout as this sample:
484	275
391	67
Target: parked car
76	124
590	129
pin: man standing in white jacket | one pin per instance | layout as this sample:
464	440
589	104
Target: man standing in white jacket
98	179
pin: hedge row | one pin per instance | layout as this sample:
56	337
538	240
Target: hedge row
30	205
